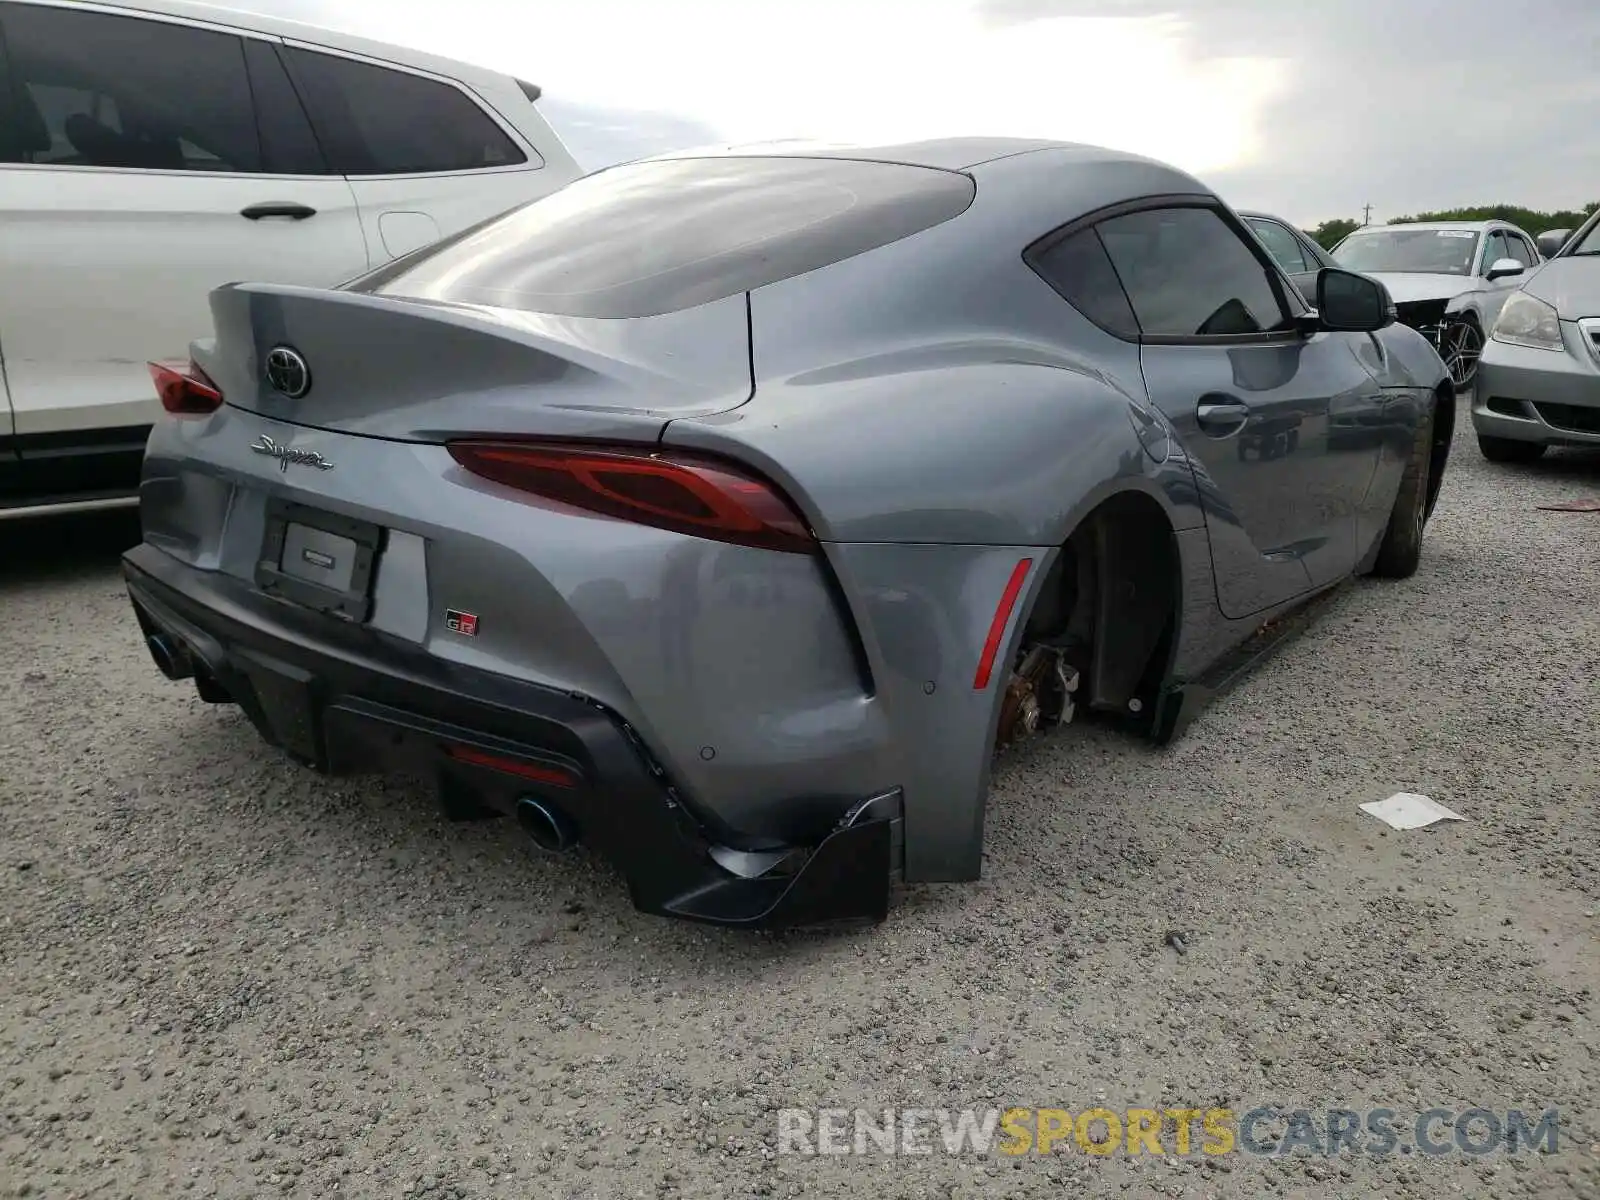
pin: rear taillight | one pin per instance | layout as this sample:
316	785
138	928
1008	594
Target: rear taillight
678	492
185	391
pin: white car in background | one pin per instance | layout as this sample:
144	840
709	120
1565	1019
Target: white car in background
152	150
1448	279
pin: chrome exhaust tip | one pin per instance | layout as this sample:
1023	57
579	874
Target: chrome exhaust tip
169	657
551	829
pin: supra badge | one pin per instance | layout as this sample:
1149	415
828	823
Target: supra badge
464	623
285	456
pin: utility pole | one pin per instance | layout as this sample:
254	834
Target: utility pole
1366	214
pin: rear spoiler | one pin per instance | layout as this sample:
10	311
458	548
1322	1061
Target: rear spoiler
531	90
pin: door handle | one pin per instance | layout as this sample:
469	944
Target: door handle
1220	416
278	208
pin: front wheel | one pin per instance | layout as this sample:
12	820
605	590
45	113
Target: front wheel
1460	345
1510	450
1401	550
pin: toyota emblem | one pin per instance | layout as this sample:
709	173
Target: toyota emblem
287	372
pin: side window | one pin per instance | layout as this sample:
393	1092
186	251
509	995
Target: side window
94	90
375	121
1520	250
1188	274
1077	267
288	147
1316	257
1494	251
1282	245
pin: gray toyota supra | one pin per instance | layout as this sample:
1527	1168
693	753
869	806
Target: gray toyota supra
729	510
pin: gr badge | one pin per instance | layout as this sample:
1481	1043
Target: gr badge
464	623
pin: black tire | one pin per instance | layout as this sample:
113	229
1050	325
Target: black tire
1510	450
1401	550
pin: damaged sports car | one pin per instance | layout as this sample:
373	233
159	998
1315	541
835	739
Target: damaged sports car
727	511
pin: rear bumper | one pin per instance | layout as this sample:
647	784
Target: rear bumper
350	700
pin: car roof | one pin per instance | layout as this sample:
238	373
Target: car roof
1257	214
949	154
1476	226
241	19
1030	185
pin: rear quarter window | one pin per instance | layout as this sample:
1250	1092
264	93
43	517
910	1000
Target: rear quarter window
1081	272
377	121
655	237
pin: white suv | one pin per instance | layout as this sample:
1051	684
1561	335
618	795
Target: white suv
151	150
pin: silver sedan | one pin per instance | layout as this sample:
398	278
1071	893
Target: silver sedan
1539	377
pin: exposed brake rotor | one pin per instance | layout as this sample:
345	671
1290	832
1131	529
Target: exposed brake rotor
1038	696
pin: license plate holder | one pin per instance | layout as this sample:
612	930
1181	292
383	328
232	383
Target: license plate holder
318	559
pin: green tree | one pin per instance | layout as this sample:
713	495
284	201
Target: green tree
1530	219
1330	233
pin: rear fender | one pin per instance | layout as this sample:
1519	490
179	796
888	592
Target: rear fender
929	610
928	488
967	445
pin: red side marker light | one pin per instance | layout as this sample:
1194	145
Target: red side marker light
185	391
535	772
997	627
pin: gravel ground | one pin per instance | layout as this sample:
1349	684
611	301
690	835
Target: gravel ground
222	975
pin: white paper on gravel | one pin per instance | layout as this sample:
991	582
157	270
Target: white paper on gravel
1408	810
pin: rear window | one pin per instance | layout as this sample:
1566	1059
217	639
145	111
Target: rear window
655	237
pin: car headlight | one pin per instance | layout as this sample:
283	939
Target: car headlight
1528	321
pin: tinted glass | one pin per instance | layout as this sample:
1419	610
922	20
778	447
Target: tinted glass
1316	256
1188	274
1078	268
653	237
1407	249
374	121
288	146
1520	250
1282	245
1587	239
1494	251
108	91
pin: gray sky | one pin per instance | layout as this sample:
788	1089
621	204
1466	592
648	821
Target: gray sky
1307	108
1407	105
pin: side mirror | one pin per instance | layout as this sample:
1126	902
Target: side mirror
1351	303
1504	268
1552	240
